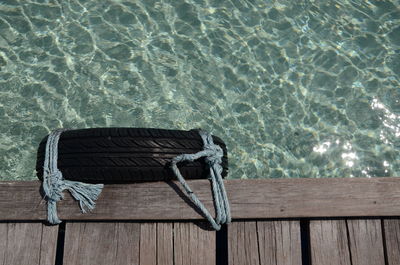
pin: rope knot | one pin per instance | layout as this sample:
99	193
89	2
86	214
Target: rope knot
216	154
56	175
212	154
52	187
54	183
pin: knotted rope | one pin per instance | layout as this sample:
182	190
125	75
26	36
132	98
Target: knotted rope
54	184
213	156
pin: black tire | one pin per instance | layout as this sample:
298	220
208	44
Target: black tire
122	155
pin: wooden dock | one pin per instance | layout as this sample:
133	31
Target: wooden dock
349	221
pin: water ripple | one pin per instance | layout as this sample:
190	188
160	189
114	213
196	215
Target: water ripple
296	89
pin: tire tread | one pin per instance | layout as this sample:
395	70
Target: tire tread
118	155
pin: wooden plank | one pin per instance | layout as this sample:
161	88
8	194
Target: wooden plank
165	241
148	244
366	245
249	199
48	244
264	243
279	242
127	242
392	237
193	245
101	243
3	242
118	243
243	243
156	244
329	242
27	243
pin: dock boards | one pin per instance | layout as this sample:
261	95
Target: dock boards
275	222
327	242
352	242
27	243
264	242
138	243
256	242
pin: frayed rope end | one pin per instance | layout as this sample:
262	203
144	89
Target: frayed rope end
85	193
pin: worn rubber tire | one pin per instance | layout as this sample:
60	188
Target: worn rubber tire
123	155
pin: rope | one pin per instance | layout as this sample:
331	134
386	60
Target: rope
213	156
54	184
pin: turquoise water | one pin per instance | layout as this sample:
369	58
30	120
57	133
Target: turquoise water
295	88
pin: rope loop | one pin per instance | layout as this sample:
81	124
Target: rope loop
213	157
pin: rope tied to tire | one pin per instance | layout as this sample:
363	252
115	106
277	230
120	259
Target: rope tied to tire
213	156
54	184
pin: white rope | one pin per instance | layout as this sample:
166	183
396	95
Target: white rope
54	184
213	156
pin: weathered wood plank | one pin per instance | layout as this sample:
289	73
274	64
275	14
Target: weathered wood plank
366	245
193	245
243	244
165	248
279	242
27	243
148	244
249	199
3	242
156	244
128	243
392	236
264	243
101	243
48	244
329	242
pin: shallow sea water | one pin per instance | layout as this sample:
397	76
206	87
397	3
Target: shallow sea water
295	88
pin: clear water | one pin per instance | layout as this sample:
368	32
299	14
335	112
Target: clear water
295	88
